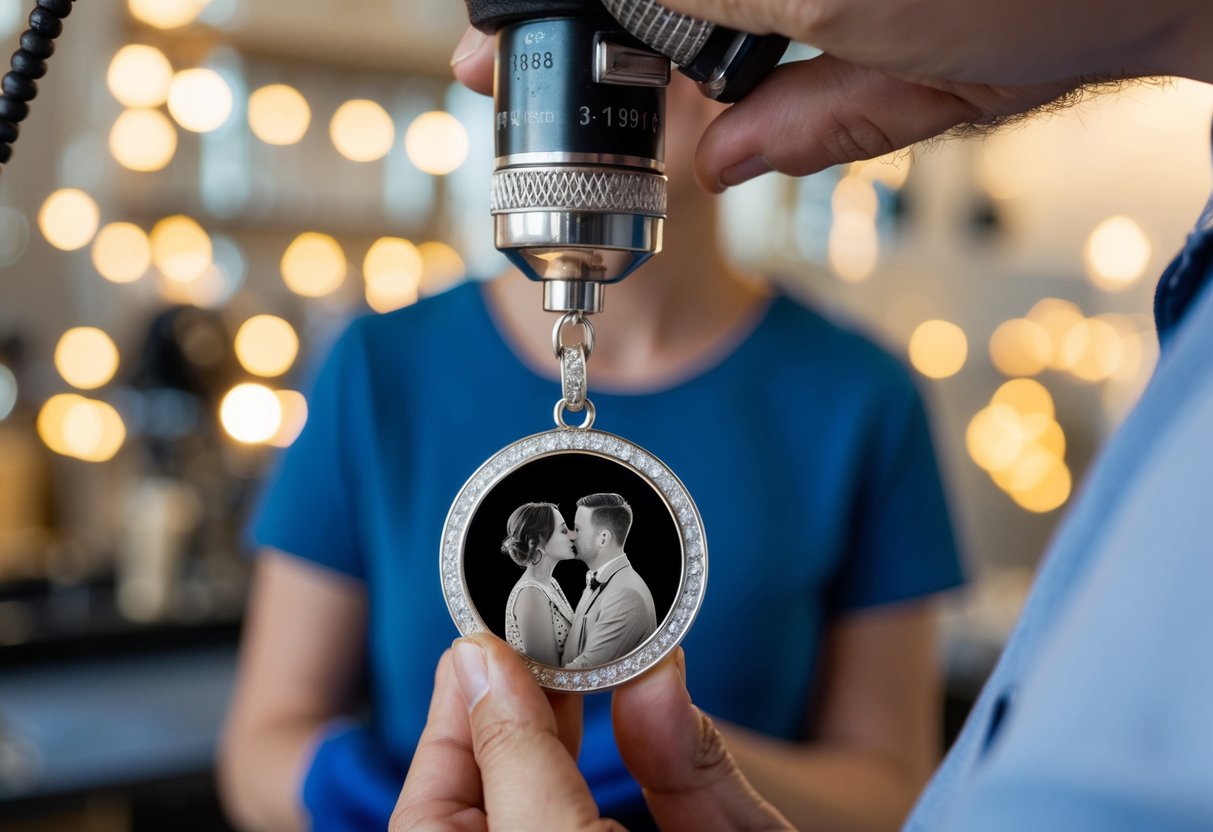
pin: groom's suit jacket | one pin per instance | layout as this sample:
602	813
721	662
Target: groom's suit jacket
611	620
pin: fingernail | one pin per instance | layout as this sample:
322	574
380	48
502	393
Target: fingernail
471	671
467	45
744	171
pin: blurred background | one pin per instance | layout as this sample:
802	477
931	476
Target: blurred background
207	191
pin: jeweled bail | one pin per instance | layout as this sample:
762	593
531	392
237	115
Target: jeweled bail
573	375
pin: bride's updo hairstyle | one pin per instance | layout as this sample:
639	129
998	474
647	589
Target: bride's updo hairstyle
529	527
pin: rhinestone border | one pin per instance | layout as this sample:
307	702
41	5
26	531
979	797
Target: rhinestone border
692	585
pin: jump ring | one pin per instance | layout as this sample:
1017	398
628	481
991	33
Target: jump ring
573	319
586	423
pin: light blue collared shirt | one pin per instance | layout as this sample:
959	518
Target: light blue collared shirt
1099	715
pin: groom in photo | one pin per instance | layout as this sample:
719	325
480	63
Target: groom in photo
615	613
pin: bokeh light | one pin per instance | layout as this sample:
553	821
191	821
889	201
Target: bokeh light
181	248
314	265
854	247
1093	350
86	357
69	219
938	349
441	267
209	290
1049	494
278	114
8	392
1025	396
122	252
14	235
362	131
139	76
1117	253
855	194
250	413
392	269
1056	317
266	345
294	417
166	14
200	100
82	428
143	140
1020	347
436	142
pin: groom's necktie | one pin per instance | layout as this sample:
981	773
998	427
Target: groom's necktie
591	580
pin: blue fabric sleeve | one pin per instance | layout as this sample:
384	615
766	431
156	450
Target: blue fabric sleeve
308	508
902	540
1111	729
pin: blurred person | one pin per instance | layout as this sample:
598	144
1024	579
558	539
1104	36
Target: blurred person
1099	714
808	453
537	613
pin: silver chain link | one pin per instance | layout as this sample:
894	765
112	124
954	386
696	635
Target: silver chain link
574	381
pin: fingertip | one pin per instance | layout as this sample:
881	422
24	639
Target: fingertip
471	670
472	62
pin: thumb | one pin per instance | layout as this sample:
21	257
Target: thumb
530	780
676	754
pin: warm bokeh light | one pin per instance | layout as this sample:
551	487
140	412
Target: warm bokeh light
1025	396
266	345
1032	467
294	417
854	247
200	100
181	248
1056	317
1020	347
1049	494
143	140
81	428
314	265
8	392
139	76
891	170
436	142
122	252
250	413
1093	350
853	193
392	270
86	357
209	290
441	267
166	14
278	114
1117	253
69	219
938	349
995	437
362	131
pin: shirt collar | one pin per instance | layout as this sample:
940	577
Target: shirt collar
603	573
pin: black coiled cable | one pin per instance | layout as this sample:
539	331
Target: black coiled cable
19	85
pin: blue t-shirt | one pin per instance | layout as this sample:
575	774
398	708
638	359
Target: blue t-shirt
806	449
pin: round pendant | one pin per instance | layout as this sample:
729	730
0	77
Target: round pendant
588	530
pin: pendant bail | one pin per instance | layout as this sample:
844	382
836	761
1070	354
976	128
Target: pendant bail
573	359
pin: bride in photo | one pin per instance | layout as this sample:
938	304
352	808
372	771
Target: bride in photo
537	614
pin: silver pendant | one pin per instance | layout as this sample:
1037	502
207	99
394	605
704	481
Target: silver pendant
547	513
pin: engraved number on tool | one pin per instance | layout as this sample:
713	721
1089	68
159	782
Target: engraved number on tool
629	118
527	61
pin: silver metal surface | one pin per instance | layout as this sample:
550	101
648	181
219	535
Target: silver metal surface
573	318
618	64
719	79
674	35
554	157
455	560
573	380
570	245
573	295
587	421
581	189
